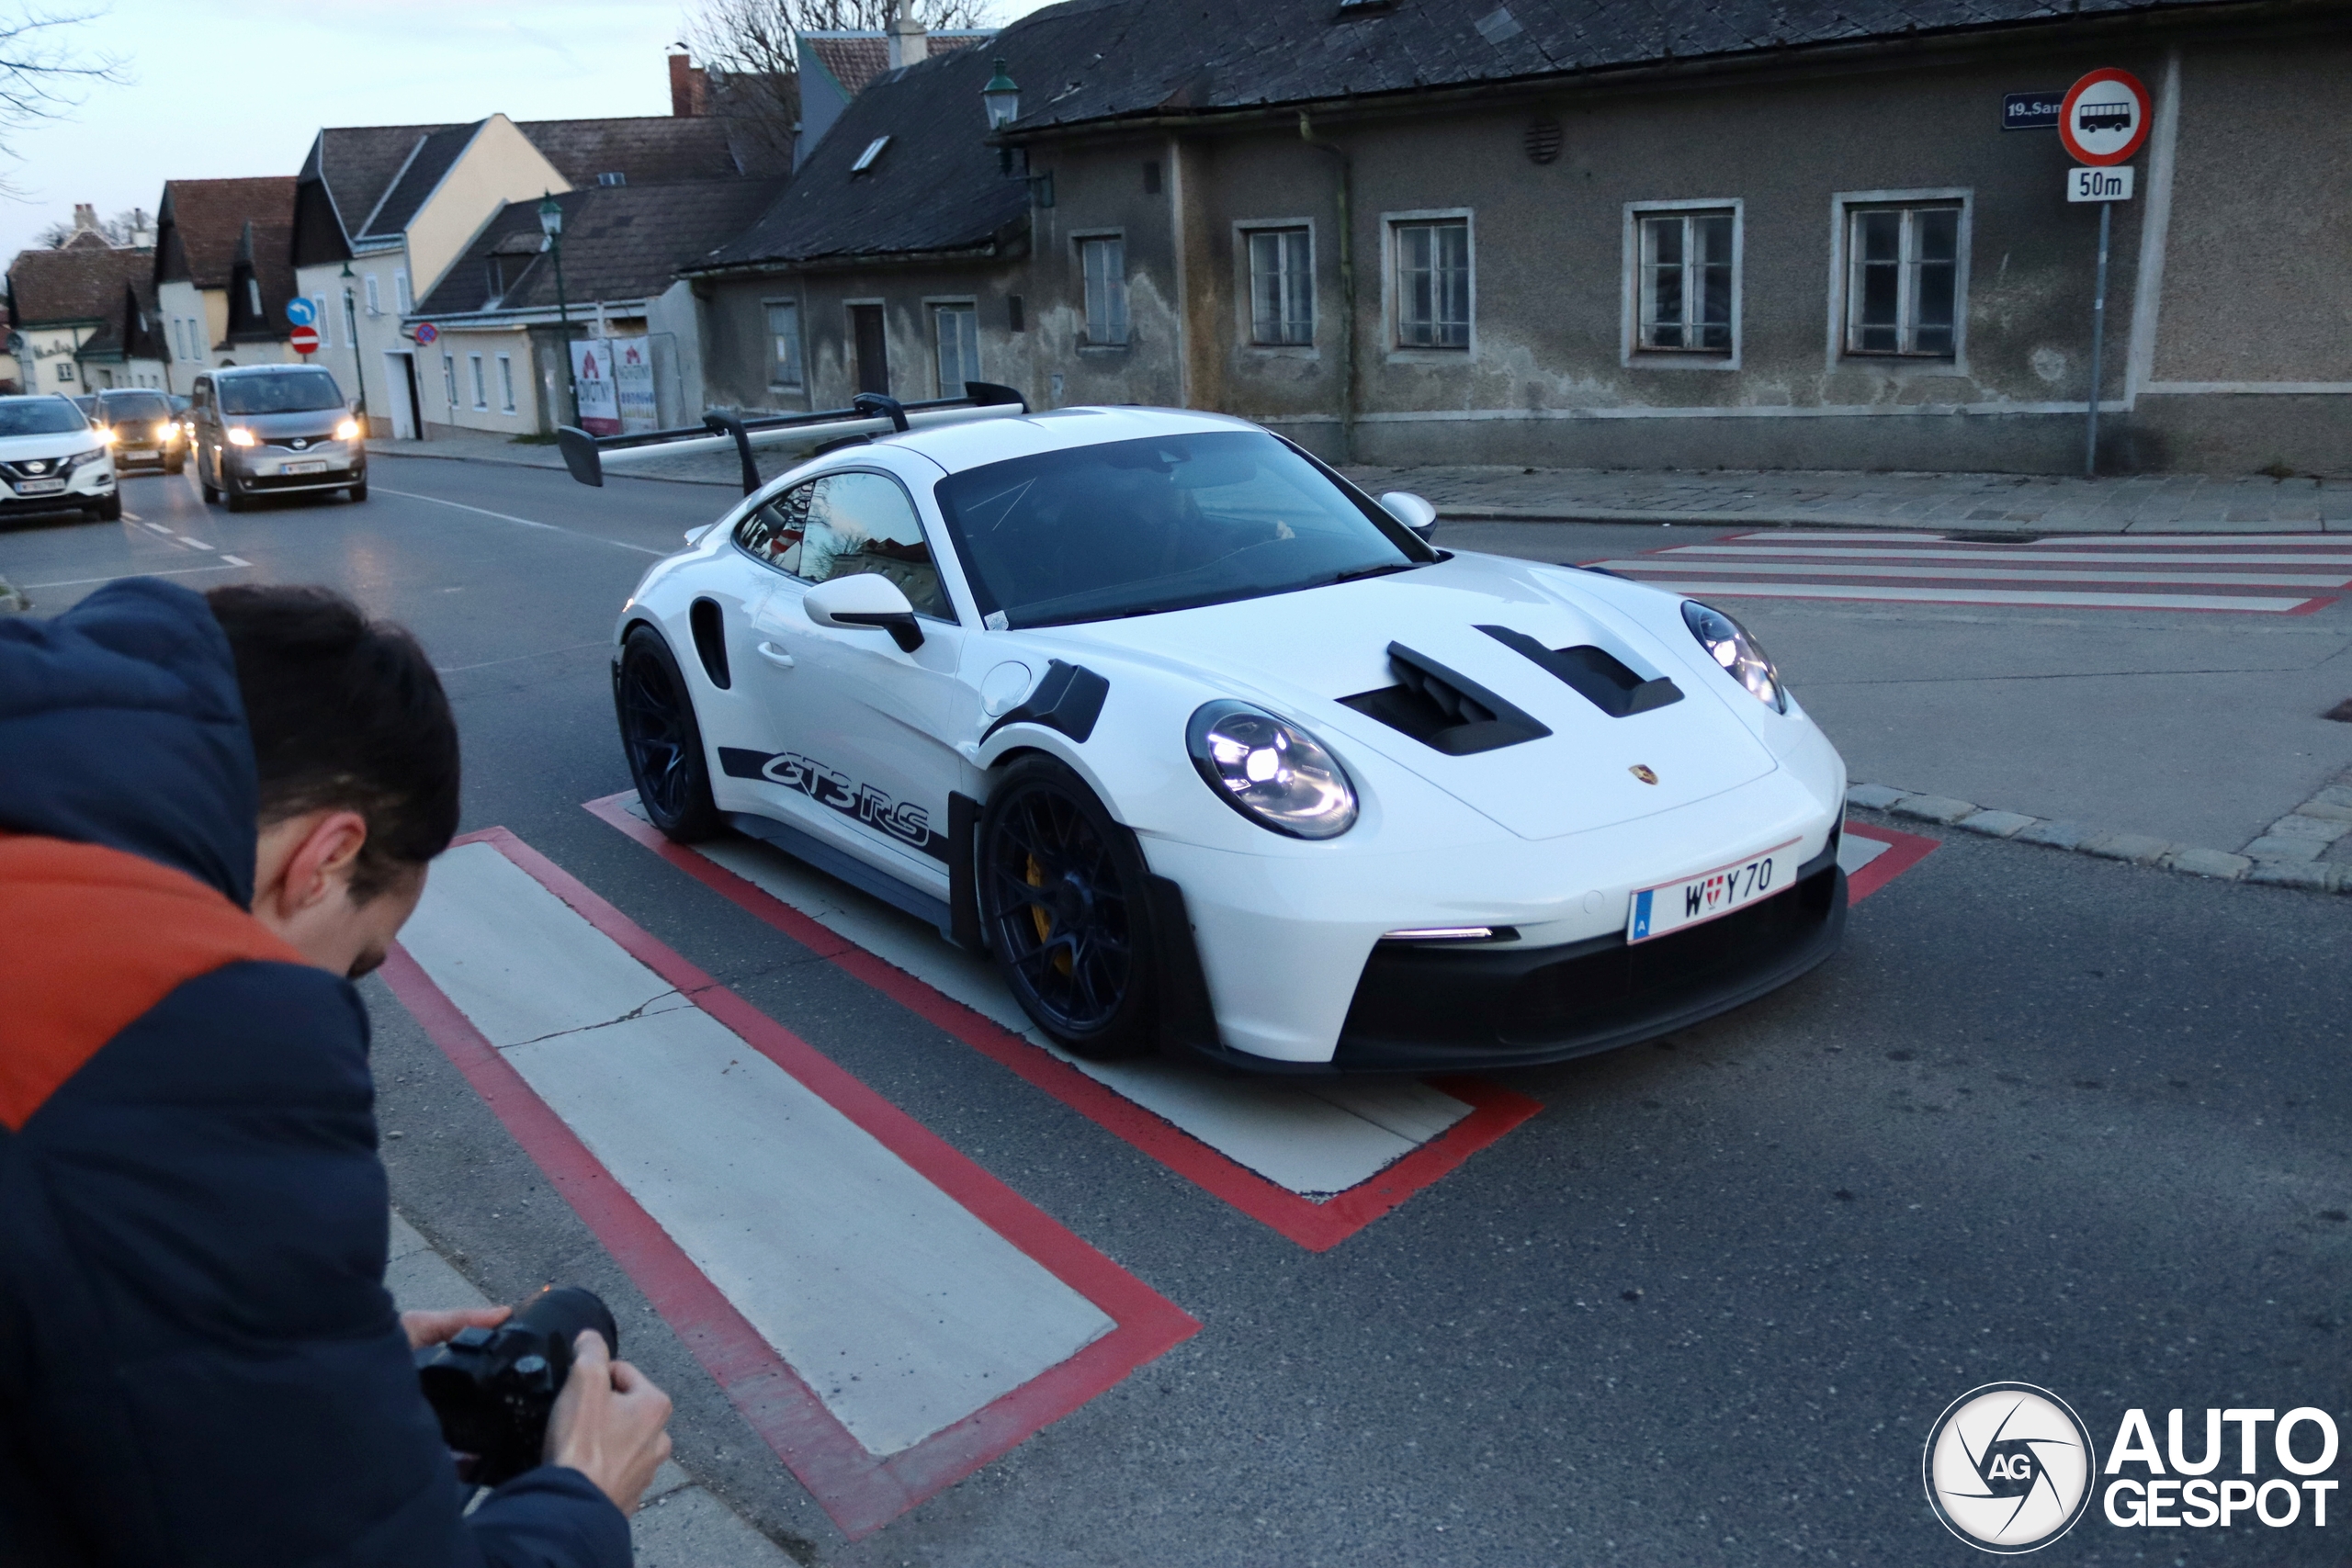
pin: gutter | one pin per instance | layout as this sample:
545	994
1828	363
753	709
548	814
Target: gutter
987	251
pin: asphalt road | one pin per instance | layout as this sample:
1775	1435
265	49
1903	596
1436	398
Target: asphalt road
2046	1119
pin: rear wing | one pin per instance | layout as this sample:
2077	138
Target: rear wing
870	413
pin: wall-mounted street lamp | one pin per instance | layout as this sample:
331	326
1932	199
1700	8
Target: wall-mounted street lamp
358	365
552	226
1001	100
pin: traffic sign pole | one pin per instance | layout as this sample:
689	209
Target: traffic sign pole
2098	340
2102	122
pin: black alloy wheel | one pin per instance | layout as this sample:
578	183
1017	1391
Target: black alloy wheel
1061	891
661	739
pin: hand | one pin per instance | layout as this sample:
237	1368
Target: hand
438	1328
610	1422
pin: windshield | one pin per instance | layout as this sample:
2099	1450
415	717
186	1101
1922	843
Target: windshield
1131	527
40	416
134	407
294	391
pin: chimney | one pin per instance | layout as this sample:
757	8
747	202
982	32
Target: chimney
909	41
85	217
689	88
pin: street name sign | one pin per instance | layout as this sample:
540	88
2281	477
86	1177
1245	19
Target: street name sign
304	340
2030	111
2105	118
301	311
2099	185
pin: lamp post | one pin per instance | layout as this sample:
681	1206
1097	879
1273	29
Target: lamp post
551	225
358	365
1001	99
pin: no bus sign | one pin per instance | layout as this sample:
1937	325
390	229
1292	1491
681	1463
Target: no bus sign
303	340
2105	118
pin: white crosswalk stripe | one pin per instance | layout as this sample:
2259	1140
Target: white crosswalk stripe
2179	572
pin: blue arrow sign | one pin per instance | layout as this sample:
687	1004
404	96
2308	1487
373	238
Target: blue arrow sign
300	312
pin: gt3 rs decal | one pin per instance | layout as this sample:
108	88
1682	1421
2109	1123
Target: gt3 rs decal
902	819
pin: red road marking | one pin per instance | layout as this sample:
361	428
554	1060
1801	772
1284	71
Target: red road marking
1904	852
1494	1110
860	1492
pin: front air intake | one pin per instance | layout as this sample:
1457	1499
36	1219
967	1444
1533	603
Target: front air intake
1443	709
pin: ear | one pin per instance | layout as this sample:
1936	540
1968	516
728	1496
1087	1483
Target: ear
320	849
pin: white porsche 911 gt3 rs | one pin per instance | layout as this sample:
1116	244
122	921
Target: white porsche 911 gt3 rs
1214	753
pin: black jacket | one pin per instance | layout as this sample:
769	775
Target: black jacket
198	1362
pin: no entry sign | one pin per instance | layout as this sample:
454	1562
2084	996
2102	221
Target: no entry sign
2105	118
305	340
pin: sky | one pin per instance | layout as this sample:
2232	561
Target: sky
218	89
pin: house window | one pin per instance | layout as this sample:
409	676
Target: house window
1017	317
955	333
449	377
325	322
1104	263
65	370
375	299
253	294
400	295
1687	282
1902	280
505	384
783	343
474	363
1281	287
1433	284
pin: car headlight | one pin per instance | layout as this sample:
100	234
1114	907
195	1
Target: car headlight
1728	643
69	465
240	436
348	431
1274	774
107	433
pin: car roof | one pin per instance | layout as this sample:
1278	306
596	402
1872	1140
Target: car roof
34	398
256	370
977	443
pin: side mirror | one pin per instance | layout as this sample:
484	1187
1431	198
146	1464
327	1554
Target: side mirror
1411	510
864	600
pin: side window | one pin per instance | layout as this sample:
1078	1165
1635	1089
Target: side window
773	529
843	525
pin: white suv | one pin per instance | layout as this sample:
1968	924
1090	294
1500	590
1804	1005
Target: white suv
53	459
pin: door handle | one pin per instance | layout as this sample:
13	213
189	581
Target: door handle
775	655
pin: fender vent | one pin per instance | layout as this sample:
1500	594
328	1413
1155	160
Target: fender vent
1597	674
710	639
1443	710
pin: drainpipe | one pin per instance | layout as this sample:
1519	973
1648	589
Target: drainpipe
1347	287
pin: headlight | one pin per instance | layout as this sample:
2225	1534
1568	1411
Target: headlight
68	465
348	431
1274	774
1727	642
107	434
240	436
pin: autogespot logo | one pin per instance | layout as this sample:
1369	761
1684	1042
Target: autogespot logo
2008	1467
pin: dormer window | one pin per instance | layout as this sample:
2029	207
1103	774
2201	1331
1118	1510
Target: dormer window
495	275
616	177
253	294
865	159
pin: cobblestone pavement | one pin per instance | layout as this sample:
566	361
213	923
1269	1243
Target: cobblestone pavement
2150	503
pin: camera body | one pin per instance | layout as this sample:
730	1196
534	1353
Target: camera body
493	1389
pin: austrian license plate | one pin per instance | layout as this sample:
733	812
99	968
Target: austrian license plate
1693	900
39	487
143	452
303	469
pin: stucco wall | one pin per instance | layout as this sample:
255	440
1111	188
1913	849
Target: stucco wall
499	165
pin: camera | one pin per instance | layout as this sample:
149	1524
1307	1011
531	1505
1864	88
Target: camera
493	1389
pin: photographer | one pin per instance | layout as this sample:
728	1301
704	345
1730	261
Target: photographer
211	819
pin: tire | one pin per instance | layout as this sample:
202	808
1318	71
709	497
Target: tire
109	510
359	490
661	740
175	465
1061	890
238	499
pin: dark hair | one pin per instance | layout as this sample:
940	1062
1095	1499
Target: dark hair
345	713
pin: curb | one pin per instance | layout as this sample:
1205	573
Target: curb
1946	526
542	468
2285	856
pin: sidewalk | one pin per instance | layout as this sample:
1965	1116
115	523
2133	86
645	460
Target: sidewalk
2146	504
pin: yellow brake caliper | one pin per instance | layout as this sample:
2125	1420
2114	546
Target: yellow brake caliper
1044	921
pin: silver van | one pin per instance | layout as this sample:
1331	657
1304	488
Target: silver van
271	429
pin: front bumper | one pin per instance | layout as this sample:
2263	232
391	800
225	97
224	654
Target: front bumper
87	484
270	470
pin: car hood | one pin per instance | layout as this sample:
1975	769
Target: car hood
1300	653
65	443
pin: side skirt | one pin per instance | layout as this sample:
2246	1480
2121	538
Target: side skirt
807	847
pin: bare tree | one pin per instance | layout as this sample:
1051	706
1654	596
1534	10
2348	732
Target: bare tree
750	49
123	229
42	75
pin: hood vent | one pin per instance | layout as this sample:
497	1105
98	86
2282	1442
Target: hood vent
1596	675
1443	710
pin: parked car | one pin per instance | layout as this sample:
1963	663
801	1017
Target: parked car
145	432
274	429
1211	751
51	458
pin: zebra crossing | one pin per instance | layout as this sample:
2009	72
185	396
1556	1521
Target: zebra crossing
2243	573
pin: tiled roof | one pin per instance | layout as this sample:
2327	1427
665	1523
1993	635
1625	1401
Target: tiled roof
1148	57
936	188
199	222
619	242
266	250
647	151
359	164
76	283
430	159
853	60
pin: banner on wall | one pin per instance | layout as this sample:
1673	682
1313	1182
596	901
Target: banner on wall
633	383
593	383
